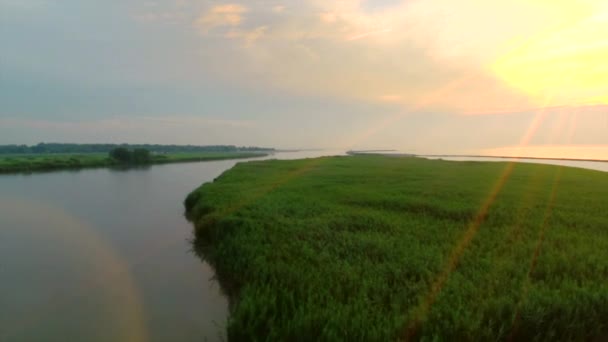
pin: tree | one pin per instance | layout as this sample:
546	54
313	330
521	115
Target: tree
141	156
121	155
125	156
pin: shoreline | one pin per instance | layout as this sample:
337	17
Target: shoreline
384	153
508	157
51	163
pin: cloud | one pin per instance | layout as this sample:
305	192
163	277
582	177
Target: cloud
278	9
328	17
390	98
427	55
249	37
368	34
230	15
338	49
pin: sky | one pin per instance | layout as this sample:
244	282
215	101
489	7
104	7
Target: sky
512	77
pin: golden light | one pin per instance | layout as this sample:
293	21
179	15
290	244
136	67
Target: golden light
567	64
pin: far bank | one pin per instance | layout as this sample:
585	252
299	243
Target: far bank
25	163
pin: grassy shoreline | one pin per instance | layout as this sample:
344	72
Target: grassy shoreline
55	162
381	248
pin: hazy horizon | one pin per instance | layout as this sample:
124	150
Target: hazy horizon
435	76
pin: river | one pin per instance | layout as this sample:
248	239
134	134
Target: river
584	164
105	255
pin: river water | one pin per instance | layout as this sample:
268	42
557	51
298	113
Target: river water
592	165
105	255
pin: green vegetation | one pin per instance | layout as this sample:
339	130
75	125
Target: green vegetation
29	163
381	248
193	157
52	148
49	162
137	156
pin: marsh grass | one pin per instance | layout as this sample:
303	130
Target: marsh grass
378	248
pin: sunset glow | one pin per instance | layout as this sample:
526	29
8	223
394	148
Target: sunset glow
567	63
353	73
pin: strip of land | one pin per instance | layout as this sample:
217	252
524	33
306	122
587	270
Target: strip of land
31	162
393	153
510	157
374	248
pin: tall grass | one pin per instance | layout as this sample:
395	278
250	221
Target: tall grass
380	248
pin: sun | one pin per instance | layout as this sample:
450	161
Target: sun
566	65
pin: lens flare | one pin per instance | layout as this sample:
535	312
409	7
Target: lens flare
93	273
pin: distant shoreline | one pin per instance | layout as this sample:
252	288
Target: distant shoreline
16	164
383	152
508	157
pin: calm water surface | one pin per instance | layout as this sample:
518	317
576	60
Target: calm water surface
105	255
592	165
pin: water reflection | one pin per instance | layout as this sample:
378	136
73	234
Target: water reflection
125	168
70	259
584	164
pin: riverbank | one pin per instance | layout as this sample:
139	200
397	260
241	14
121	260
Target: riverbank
51	162
380	248
510	157
394	153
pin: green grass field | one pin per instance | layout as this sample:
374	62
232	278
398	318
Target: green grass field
381	248
203	156
49	162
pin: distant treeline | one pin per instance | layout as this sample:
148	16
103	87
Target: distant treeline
106	148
